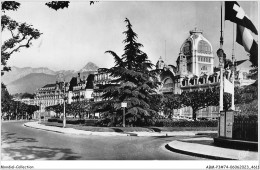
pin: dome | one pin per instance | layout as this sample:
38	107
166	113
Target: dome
196	41
160	63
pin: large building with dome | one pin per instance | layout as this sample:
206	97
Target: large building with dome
194	70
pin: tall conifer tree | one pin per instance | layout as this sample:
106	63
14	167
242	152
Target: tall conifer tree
133	82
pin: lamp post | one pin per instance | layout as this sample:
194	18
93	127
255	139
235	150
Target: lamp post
40	112
61	76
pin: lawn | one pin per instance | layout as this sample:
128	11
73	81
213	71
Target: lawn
130	129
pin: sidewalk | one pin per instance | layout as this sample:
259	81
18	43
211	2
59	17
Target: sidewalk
203	147
36	125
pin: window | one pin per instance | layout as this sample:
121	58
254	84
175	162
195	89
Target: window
168	83
186	48
204	68
204	47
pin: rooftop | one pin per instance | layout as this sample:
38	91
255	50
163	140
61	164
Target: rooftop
49	85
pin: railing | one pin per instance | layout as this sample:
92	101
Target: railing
245	130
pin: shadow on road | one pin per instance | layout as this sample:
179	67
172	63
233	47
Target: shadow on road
10	138
21	152
42	153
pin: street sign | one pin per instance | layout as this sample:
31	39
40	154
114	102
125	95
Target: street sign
123	104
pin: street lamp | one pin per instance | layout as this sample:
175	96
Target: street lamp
40	112
60	76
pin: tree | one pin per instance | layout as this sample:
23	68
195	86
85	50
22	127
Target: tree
21	34
62	4
58	108
31	109
58	4
27	95
246	94
170	102
134	83
90	81
199	99
5	101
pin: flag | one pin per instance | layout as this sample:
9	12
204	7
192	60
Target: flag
245	38
228	86
236	14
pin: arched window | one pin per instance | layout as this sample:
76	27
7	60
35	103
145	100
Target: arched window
204	47
186	49
168	83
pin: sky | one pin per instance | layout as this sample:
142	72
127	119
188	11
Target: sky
82	33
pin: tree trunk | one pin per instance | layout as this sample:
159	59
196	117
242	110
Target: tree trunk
194	114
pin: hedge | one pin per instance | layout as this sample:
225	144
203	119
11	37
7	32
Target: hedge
72	121
244	117
249	108
53	120
174	123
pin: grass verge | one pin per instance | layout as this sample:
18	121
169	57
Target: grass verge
130	129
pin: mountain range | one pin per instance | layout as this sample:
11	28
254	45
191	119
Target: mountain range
27	79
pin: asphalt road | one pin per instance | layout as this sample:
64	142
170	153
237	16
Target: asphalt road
23	143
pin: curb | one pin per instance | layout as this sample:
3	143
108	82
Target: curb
167	146
91	133
43	129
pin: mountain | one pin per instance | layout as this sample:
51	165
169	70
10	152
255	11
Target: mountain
17	73
66	72
89	67
21	80
30	83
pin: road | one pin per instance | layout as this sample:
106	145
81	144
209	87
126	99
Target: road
23	143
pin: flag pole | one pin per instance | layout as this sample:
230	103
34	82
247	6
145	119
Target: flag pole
233	70
221	31
221	62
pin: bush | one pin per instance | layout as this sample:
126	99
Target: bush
72	121
249	108
174	123
53	120
91	122
243	117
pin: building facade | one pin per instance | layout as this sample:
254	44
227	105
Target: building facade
100	78
194	71
78	89
51	94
